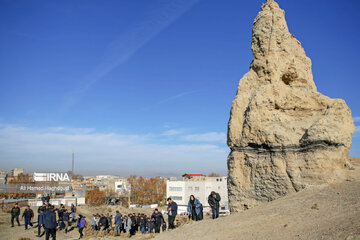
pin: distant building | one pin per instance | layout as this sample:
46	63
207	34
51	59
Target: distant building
89	179
122	187
173	179
101	182
89	186
102	178
16	172
194	177
200	186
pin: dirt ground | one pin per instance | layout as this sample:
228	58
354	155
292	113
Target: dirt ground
324	212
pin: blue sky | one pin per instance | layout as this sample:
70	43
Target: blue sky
146	87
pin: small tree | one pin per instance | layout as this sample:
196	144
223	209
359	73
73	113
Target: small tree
147	190
96	198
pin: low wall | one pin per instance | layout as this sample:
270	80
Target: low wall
54	201
7	204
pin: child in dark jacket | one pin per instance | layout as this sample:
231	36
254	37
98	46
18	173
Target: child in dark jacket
28	214
149	225
66	219
142	224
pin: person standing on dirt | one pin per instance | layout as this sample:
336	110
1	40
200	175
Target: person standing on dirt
42	208
118	222
172	212
127	223
158	219
149	225
103	223
66	219
110	217
61	211
15	213
137	222
41	218
50	223
194	208
133	225
94	222
214	202
81	222
123	219
47	198
73	211
28	214
142	224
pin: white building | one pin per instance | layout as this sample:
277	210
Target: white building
102	178
16	172
122	187
200	186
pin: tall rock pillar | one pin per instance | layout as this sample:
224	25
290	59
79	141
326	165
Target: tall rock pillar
284	135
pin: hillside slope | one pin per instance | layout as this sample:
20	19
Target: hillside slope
326	212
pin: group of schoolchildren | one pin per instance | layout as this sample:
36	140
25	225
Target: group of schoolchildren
27	215
130	223
47	219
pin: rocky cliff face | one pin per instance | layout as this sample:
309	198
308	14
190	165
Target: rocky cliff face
284	135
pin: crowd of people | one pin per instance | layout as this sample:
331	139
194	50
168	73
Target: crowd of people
47	219
127	223
132	223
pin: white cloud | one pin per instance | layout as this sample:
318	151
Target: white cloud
171	132
207	137
99	152
357	129
70	130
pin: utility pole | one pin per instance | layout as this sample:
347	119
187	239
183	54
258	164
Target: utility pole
73	161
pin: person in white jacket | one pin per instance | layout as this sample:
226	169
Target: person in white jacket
128	223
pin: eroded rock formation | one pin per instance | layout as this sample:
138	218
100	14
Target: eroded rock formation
284	135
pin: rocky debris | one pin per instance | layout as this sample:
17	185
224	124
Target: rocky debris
284	135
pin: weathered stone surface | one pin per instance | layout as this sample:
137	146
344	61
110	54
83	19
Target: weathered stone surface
284	135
